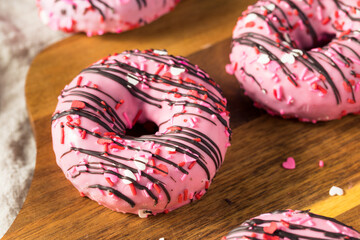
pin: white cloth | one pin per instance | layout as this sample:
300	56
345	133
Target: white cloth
22	36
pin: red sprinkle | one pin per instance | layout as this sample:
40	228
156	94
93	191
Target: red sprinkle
207	185
109	181
181	164
132	187
268	237
62	139
167	75
159	69
349	100
157	151
186	193
286	224
353	10
109	134
114	146
152	162
69	118
82	194
157	188
197	139
83	134
347	87
250	24
119	104
191	165
77	104
270	229
79	80
137	117
198	196
180	198
104	141
174	129
164	169
345	33
326	21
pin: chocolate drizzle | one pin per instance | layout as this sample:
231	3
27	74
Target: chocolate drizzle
104	112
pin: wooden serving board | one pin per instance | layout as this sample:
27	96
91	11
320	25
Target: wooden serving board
251	180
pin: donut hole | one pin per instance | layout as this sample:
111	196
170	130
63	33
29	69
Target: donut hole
323	41
140	129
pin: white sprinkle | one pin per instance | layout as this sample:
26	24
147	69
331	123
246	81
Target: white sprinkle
143	213
129	174
297	52
250	17
336	191
176	71
140	163
288	58
160	52
170	149
270	7
263	59
133	80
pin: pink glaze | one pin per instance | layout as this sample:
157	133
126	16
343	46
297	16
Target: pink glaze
291	224
269	60
98	17
172	167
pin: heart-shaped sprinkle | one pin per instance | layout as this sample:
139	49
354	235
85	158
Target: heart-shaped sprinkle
263	59
336	191
77	104
271	228
289	163
288	58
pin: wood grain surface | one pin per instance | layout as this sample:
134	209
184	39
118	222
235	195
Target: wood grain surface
251	180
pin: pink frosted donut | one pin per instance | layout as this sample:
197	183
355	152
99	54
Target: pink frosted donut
289	224
152	173
278	59
96	17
